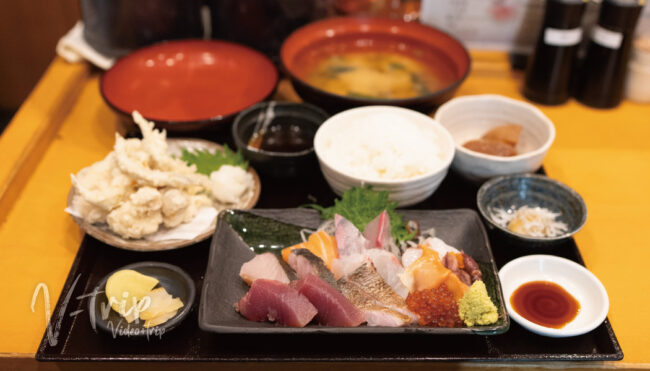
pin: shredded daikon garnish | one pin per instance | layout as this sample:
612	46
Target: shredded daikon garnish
530	221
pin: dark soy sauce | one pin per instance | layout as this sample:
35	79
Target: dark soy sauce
283	135
545	303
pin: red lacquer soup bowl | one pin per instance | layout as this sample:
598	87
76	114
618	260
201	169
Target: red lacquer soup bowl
190	84
438	54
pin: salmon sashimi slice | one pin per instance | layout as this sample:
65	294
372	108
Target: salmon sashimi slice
276	301
320	244
304	262
334	309
265	266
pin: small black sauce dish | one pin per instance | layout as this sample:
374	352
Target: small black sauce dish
175	281
509	193
283	146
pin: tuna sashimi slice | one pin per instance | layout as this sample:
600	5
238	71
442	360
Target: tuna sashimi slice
276	301
334	309
265	266
349	239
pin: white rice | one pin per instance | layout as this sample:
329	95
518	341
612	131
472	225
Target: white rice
384	146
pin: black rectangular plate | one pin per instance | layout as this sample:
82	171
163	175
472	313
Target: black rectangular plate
77	341
222	287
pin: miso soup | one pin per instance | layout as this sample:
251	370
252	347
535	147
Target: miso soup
375	68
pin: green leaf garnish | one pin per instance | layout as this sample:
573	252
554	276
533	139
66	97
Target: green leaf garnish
396	66
354	94
362	205
206	162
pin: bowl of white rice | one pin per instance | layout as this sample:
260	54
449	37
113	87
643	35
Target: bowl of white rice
389	148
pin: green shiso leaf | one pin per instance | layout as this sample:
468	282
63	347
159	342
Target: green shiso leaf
362	205
206	162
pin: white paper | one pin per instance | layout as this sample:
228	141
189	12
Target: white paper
201	223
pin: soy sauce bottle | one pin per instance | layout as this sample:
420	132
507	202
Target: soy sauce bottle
602	75
548	74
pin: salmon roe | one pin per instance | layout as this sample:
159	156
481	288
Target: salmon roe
435	307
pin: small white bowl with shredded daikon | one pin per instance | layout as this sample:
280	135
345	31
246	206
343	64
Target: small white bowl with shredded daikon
389	148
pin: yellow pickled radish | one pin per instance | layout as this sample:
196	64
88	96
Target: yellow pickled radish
126	287
161	303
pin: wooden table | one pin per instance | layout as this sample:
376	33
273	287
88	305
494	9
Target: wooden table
65	125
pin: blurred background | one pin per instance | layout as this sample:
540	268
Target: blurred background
29	30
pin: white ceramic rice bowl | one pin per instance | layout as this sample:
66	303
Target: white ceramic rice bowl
405	192
470	117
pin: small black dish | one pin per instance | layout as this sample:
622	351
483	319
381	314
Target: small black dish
514	191
172	278
294	123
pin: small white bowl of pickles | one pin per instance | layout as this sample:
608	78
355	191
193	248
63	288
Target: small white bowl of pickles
496	135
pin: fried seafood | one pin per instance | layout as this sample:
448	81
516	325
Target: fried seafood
139	186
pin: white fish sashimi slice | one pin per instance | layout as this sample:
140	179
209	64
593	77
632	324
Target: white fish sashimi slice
349	239
389	268
386	264
264	266
378	234
345	265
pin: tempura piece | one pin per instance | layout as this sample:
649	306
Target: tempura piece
139	216
103	184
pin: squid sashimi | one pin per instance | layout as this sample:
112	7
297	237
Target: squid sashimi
265	266
320	244
334	309
276	302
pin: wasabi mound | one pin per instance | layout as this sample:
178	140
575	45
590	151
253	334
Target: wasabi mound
476	308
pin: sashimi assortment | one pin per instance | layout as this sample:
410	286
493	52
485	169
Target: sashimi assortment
354	276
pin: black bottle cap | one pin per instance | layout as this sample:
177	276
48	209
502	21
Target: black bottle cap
620	15
564	14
